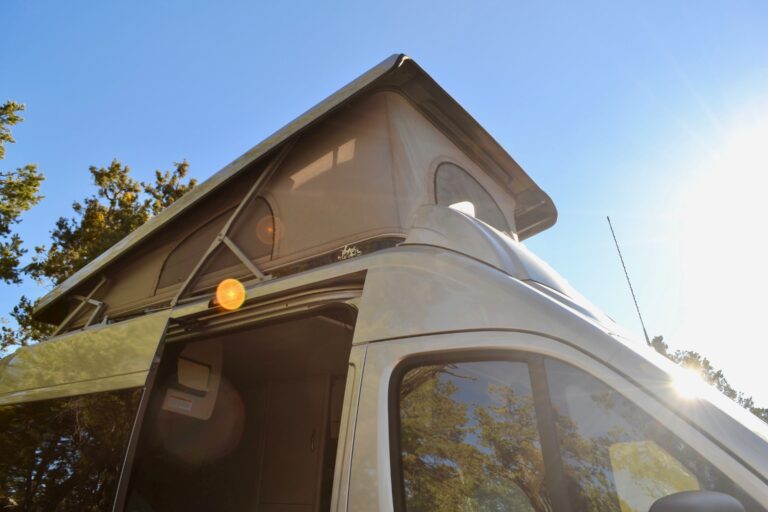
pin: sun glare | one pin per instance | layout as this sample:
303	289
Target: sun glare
466	207
724	254
689	384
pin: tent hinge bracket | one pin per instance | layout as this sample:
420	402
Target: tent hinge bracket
87	300
243	258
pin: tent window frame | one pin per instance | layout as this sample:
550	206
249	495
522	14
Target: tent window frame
223	213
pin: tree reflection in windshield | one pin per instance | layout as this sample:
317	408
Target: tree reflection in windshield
64	454
616	457
469	439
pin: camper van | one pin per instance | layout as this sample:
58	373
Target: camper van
345	318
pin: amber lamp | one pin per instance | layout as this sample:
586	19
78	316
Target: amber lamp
230	294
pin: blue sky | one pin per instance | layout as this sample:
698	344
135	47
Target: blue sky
635	110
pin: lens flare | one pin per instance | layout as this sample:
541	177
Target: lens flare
689	384
267	229
230	294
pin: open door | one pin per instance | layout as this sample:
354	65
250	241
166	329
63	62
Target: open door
247	419
67	411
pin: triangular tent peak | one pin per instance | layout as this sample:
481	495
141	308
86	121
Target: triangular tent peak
344	178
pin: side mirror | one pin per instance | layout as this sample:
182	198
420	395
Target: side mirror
697	501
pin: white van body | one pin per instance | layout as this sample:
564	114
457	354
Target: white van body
296	401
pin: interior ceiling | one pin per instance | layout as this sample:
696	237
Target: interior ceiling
311	346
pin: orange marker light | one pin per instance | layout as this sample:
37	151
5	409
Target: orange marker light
230	294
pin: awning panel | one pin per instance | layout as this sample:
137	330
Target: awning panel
101	358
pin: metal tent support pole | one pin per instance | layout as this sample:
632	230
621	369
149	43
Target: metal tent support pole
223	238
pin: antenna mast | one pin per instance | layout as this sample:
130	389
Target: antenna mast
631	290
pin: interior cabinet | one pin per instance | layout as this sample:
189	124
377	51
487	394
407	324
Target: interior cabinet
293	441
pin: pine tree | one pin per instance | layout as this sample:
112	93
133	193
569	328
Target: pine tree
712	376
119	205
19	191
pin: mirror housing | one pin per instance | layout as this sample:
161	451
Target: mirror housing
697	501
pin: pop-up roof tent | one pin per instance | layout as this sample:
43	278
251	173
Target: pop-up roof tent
343	179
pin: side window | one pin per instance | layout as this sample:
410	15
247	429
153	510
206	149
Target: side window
469	438
615	456
456	188
65	454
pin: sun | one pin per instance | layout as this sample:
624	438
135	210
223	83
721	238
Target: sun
689	384
724	252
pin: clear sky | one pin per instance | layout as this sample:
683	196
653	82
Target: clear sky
655	113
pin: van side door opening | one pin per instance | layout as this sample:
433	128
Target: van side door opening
246	420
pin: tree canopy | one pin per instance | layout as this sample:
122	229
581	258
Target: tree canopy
19	191
118	205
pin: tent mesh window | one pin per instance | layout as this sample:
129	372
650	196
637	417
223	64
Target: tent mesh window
456	187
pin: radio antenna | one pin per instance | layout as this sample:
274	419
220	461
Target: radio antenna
626	274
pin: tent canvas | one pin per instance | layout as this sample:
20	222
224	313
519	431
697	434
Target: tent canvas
358	169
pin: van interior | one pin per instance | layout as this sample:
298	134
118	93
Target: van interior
246	420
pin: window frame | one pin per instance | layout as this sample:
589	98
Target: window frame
554	474
624	367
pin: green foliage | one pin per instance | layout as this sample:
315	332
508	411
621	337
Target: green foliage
433	429
26	331
119	206
167	188
468	456
19	191
702	365
509	436
64	454
9	116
